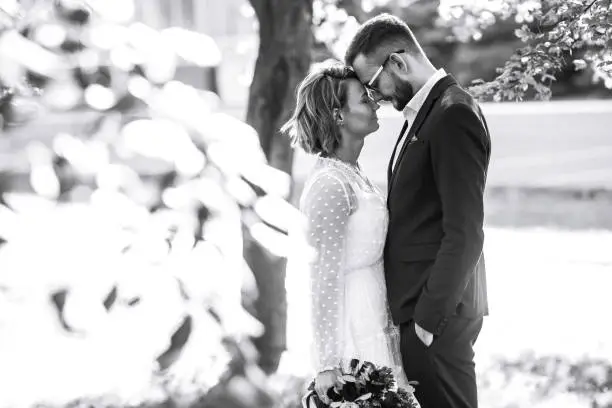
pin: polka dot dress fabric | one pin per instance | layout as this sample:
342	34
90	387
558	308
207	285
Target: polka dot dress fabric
346	225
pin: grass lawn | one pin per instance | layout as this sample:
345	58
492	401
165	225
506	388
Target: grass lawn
549	296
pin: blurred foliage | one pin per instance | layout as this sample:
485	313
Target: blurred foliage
540	45
122	264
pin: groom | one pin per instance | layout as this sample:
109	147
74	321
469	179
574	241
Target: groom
434	265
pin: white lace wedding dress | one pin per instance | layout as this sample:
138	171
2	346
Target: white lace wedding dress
347	224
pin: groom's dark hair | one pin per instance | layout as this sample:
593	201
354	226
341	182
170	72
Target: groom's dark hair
382	31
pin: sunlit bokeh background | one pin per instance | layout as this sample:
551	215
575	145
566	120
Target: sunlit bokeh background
131	187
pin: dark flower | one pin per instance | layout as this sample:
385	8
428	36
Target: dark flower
391	400
350	392
354	365
375	387
364	371
333	395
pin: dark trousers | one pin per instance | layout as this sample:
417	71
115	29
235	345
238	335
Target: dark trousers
445	370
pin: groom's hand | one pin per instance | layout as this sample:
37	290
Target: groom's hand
423	335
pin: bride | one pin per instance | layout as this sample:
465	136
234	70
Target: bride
346	225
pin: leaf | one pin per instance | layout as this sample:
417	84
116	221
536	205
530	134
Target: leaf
550	18
177	343
579	64
364	397
519	33
110	298
348	378
59	301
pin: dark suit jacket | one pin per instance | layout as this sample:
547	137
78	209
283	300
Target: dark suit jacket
433	254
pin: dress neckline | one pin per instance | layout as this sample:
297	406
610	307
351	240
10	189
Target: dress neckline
353	169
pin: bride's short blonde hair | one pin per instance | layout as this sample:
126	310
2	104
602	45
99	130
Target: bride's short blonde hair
313	125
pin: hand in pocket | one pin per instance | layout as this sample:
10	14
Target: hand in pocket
423	335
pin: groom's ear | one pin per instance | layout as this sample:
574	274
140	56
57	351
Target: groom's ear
399	63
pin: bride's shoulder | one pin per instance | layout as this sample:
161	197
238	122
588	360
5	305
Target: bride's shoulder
328	172
329	183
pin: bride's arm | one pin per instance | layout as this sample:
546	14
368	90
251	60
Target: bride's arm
328	207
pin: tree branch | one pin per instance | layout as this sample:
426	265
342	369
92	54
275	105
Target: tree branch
563	20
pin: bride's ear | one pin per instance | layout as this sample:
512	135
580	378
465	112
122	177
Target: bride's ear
338	117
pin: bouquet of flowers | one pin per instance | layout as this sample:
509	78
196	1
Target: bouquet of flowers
364	385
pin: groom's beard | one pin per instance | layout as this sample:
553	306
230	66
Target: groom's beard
403	94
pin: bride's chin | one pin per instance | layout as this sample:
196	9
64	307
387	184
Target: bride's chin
373	128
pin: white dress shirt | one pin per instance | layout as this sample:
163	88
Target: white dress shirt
414	105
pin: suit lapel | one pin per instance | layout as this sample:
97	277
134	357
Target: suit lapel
390	167
438	89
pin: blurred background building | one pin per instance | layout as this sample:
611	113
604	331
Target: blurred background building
232	25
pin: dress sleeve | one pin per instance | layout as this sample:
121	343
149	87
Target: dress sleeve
328	207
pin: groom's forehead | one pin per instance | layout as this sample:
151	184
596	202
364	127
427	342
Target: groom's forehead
364	66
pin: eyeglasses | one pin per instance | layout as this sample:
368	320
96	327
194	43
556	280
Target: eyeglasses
371	89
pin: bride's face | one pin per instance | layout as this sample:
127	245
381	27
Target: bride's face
359	112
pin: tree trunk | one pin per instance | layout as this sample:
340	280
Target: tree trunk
285	35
